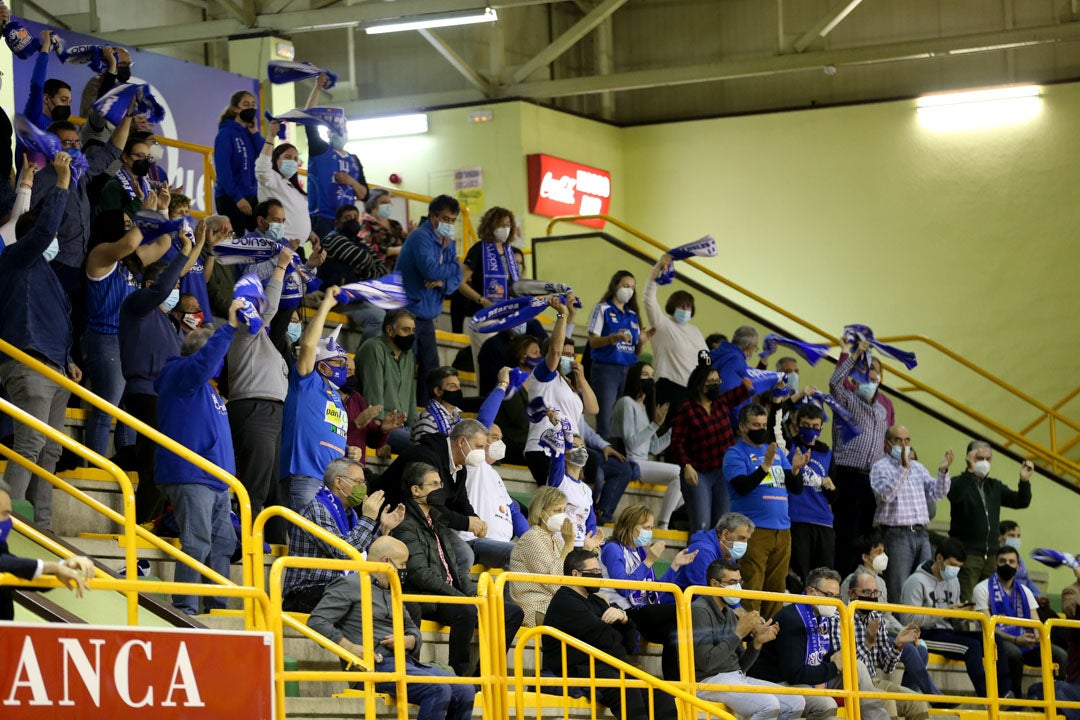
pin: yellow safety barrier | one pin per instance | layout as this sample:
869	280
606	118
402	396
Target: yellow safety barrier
243	501
1052	457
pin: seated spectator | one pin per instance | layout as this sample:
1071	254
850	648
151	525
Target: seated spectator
640	424
727	541
334	510
721	658
807	651
513	416
315	426
879	651
444	410
236	147
364	430
1002	595
387	363
615	339
761	480
581	613
335	176
1010	536
1070	688
489	271
277	174
130	186
349	259
433	566
731	359
935	584
498	351
191	411
494	506
913	655
676	342
378	230
813	542
72	572
542	551
339	617
631	555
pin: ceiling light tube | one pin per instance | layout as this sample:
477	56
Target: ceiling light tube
973	109
390	126
435	20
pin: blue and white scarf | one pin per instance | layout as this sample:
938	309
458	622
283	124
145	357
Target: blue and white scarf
439	415
249	288
510	313
114	105
91	55
808	351
633	557
344	518
387	292
127	181
297	117
818	634
500	271
21	41
248	248
854	334
1014	604
332	117
281	72
763	380
843	420
705	247
48	145
1054	558
154	224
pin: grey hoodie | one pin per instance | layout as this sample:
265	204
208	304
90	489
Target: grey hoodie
923	589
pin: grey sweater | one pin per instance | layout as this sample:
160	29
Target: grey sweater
256	368
923	589
717	649
339	614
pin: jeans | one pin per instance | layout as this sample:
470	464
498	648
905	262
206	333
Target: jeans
462	622
149	502
907	550
914	656
47	402
812	546
302	489
368	317
206	534
706	501
976	569
752	706
1062	691
1016	659
607	381
101	362
967	646
611	481
452	702
427	357
256	437
463	554
491	553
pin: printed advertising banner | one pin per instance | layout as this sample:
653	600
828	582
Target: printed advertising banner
561	187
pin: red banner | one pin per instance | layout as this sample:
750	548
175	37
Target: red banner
560	187
53	672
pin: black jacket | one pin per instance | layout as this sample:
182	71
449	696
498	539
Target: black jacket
784	659
580	616
20	568
432	449
975	523
426	571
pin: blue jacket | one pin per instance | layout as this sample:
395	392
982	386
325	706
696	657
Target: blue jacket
35	103
235	151
148	336
423	258
34	312
707	544
192	412
730	362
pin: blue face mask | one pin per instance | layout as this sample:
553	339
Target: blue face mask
170	302
867	389
5	528
385	211
565	365
950	572
288	168
276	231
293	333
338	141
682	316
643	538
809	436
533	362
445	230
73	152
792	382
337	376
52	251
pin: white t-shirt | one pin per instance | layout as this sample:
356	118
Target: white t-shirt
557	394
981	596
491	501
578	506
675	347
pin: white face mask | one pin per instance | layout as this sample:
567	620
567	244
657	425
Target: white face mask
501	234
52	251
733	601
555	522
826	611
880	563
474	458
624	294
496	451
981	468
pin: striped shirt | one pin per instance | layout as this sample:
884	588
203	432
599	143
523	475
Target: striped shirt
104	295
863	450
902	492
882	655
304	544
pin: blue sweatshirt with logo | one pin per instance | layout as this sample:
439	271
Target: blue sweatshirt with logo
235	151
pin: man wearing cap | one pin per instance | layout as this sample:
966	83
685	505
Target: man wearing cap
335	176
315	426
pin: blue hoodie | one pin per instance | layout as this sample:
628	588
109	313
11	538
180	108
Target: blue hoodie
708	547
235	151
730	362
192	412
424	258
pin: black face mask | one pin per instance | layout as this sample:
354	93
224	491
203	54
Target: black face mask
454	397
140	168
648	385
60	112
864	611
759	436
351	228
435	498
404	342
402	574
247	115
593	576
712	392
1006	572
123	73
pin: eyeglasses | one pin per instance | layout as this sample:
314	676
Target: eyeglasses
831	596
868	595
71	143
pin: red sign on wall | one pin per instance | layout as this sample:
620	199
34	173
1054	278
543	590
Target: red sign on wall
49	672
560	187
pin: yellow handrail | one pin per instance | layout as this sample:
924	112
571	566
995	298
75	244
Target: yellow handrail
39	538
243	500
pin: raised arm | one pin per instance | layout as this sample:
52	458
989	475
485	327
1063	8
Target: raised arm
305	360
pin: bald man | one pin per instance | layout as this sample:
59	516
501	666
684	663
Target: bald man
339	617
902	486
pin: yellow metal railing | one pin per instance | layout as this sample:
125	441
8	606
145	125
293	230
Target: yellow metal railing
1051	457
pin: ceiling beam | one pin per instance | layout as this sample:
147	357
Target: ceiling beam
457	62
390	106
237	12
300	21
826	24
567	40
52	19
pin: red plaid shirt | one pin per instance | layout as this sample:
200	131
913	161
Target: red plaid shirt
698	438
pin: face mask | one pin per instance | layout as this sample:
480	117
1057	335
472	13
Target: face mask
288	168
643	538
123	73
403	574
809	436
170	302
555	522
501	234
712	391
826	611
293	333
75	153
496	451
435	498
758	437
533	362
275	231
733	601
1006	572
1013	542
518	329
474	458
192	320
404	342
52	251
357	496
5	528
454	397
880	563
60	112
682	316
867	389
624	294
350	228
950	572
445	230
247	116
792	382
738	549
140	168
981	468
385	211
338	141
156	152
578	456
593	575
565	365
897	452
337	375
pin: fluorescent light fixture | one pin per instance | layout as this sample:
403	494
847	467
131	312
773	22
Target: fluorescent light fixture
435	20
979	108
390	126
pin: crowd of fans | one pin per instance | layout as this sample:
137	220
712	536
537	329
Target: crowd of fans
154	323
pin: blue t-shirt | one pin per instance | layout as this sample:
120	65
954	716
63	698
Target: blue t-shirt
314	427
607	319
105	295
811	506
766	504
324	195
